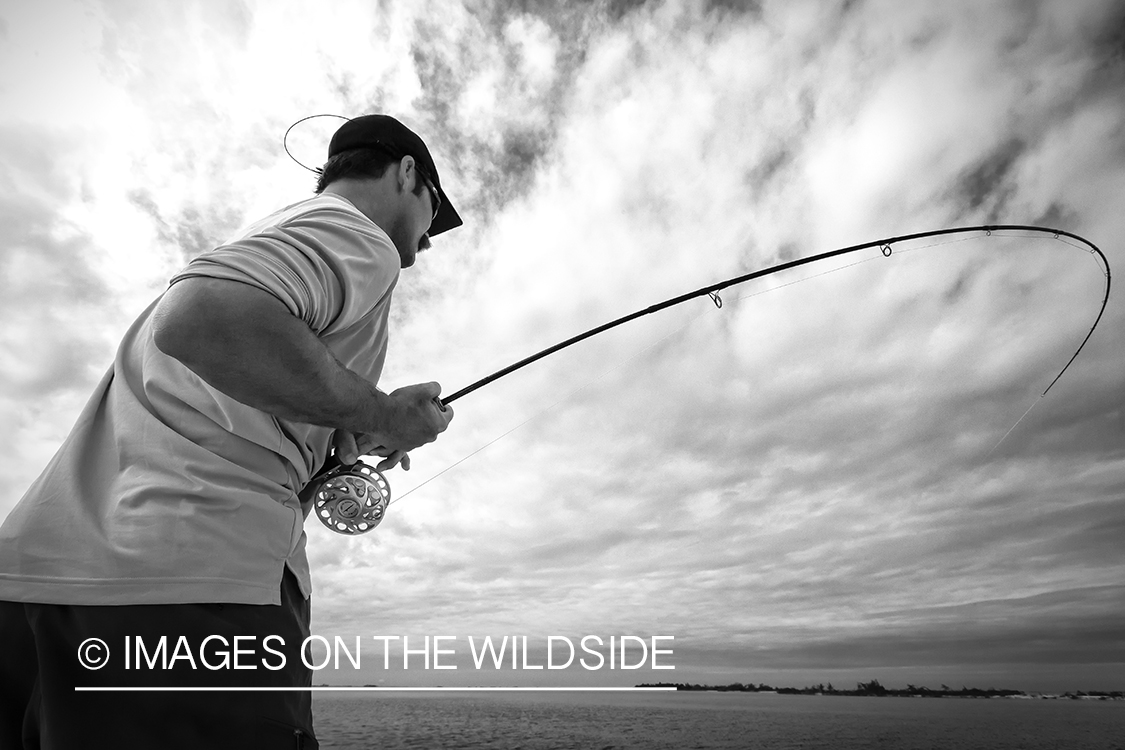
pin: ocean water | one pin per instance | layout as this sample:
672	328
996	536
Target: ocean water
533	721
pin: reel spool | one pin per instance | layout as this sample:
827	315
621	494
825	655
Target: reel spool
352	499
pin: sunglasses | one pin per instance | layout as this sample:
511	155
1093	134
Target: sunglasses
435	199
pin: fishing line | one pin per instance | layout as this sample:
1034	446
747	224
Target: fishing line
285	139
804	279
718	302
1013	427
1091	250
349	501
532	418
562	399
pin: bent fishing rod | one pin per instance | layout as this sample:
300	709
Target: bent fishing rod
352	499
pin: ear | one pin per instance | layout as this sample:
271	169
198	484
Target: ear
407	171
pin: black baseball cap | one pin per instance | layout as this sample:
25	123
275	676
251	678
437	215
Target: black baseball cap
384	131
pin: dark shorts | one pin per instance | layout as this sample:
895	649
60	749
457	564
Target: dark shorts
40	667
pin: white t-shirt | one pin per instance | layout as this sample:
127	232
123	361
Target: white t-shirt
168	491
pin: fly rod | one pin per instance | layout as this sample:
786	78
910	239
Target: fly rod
353	499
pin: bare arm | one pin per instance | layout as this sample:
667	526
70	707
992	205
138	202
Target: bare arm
244	342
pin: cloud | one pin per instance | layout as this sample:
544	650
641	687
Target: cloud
52	300
1037	629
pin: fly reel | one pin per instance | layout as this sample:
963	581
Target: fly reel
352	499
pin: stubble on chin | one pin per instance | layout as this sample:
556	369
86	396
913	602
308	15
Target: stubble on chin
400	237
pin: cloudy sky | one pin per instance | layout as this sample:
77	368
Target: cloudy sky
807	485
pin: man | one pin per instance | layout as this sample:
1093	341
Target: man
173	512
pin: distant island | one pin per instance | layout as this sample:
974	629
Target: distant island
875	689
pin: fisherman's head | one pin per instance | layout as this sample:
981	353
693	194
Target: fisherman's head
379	152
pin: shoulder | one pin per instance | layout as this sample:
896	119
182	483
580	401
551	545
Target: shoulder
325	226
335	222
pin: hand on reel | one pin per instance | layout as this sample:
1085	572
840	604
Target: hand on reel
349	496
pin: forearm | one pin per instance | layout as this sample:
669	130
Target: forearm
299	381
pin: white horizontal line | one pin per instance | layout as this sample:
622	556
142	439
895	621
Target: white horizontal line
332	688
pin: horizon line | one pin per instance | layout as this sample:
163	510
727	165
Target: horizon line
368	688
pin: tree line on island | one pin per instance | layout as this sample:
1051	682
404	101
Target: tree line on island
875	688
